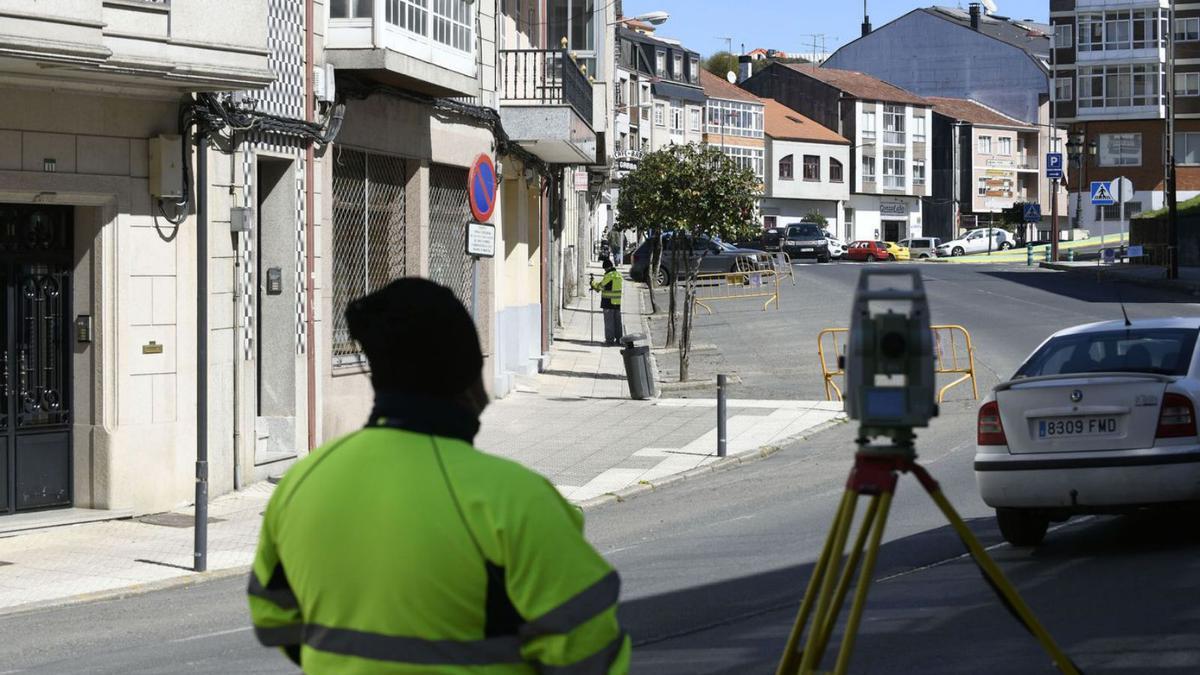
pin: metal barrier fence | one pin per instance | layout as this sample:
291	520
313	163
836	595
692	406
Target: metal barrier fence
949	343
783	266
762	283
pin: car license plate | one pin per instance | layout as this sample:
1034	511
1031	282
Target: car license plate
1076	426
806	250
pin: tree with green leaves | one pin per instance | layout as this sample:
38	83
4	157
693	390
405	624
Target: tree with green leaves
688	192
817	217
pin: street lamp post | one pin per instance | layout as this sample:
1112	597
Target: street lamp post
1078	150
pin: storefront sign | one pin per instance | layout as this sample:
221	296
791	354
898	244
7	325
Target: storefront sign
893	209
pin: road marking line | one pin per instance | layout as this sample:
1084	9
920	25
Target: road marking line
205	636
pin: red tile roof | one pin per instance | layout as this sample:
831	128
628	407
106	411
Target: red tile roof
859	85
974	112
716	86
786	124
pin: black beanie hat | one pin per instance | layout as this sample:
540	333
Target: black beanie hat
418	338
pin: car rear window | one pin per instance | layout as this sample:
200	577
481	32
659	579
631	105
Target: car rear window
1165	351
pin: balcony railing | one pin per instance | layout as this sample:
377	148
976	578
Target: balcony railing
891	182
1027	162
893	137
544	77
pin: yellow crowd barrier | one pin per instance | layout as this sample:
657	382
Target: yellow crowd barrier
763	283
783	265
953	354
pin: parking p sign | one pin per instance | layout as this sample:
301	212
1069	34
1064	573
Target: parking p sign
1054	165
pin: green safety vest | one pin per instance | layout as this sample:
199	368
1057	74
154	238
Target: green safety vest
610	287
403	549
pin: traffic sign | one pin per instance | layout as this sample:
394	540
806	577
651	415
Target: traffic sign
481	240
1033	213
1054	165
481	188
1122	189
1102	193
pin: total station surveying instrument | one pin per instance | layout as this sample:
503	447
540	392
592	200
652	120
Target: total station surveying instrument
890	389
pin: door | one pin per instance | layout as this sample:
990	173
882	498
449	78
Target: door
893	230
35	415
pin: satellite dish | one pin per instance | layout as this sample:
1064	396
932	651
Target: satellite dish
990	6
732	77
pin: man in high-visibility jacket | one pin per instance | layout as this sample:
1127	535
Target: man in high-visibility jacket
609	288
402	549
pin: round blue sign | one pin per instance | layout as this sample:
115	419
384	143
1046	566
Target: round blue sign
481	188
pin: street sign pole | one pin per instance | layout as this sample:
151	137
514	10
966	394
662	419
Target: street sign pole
1054	221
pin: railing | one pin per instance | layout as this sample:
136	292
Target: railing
893	137
1027	162
893	182
546	77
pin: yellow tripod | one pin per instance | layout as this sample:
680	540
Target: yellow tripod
875	474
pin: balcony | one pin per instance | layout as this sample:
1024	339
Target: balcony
173	46
409	44
891	182
546	105
1027	162
893	138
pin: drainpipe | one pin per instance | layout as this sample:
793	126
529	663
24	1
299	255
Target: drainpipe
201	527
310	220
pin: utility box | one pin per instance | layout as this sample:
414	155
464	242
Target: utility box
166	167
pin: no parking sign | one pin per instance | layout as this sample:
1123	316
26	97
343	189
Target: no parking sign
481	188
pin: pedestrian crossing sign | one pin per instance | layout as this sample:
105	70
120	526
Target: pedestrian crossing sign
1102	193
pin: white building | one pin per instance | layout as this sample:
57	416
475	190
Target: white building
807	169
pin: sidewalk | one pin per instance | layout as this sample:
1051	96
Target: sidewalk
1140	275
573	423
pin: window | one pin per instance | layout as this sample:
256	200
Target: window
985	145
694	119
812	167
1063	36
1187	84
747	158
1187	148
1062	89
918	129
677	67
868	169
643	100
1113	213
449	22
1121	29
619	95
694	72
660	63
1187	30
893	124
893	169
351	9
835	171
676	118
1167	351
734	118
785	168
1004	144
1119	86
918	167
868	125
1091	32
660	114
1120	149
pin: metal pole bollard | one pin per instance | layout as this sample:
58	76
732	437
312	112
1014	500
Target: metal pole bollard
722	439
1029	255
1071	255
1048	247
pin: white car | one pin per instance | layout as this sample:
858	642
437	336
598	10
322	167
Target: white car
976	241
837	247
1101	418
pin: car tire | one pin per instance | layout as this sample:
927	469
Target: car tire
1004	245
664	277
823	259
958	250
1022	527
891	257
870	258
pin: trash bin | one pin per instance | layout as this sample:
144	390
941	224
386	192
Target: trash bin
636	352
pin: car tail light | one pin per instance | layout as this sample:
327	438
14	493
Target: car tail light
990	429
1177	418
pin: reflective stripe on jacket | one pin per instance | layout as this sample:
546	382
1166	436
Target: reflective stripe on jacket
403	549
610	289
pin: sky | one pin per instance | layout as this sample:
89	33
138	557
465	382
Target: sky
789	25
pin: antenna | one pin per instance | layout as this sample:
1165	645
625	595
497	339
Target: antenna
1121	302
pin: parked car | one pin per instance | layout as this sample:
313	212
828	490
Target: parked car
897	251
714	256
866	250
837	247
977	241
922	247
1101	418
805	240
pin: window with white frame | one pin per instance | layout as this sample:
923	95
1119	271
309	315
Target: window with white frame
868	169
1120	86
660	115
1004	146
835	171
734	118
449	22
1187	84
1187	148
350	9
1120	149
893	124
677	67
868	125
918	170
694	118
1187	29
1121	29
1063	89
747	158
918	129
660	63
644	100
1063	35
812	167
985	145
676	117
694	71
893	169
787	168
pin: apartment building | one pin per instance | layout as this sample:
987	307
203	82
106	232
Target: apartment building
891	152
806	169
734	122
660	98
1110	89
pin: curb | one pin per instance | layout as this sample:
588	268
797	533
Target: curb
1189	287
719	466
710	383
126	591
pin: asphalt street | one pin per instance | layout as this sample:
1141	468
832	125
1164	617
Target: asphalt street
713	569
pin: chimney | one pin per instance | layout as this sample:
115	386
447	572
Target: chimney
745	68
866	24
975	11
